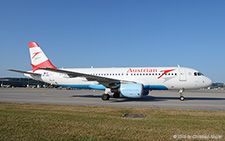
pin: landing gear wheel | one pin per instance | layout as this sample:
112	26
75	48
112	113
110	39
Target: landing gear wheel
116	95
182	98
181	94
105	97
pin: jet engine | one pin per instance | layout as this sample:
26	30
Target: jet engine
133	90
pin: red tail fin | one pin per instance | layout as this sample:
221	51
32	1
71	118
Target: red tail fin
38	58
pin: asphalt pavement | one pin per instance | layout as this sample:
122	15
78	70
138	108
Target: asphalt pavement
194	99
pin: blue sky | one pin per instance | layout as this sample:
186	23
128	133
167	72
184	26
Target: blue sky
115	33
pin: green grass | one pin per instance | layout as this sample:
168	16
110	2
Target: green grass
60	122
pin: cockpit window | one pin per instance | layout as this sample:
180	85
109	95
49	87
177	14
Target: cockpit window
198	74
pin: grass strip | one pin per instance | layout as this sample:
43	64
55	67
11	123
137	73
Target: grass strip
63	122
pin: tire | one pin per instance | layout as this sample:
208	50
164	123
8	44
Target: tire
182	98
105	97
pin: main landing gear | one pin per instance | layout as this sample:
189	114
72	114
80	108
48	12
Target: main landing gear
181	94
105	97
116	95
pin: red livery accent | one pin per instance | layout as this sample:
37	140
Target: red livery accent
165	72
46	64
141	70
33	44
36	54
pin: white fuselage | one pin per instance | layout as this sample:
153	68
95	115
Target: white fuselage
127	82
152	78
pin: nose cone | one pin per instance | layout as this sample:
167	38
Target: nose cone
208	82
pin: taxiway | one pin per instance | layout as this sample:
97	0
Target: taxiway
195	99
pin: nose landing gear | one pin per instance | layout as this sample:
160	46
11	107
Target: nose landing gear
182	98
181	94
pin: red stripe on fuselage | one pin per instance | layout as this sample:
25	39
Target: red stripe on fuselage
165	72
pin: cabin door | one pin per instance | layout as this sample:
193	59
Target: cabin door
182	74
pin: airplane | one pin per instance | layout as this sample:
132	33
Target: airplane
129	82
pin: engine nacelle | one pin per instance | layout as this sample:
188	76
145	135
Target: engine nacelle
133	90
145	92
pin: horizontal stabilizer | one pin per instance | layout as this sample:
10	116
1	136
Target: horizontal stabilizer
26	72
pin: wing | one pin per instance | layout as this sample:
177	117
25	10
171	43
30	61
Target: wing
107	82
26	72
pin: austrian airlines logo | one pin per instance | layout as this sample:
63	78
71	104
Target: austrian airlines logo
141	70
35	54
165	72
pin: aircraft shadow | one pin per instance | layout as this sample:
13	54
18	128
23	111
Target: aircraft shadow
153	99
150	98
88	96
